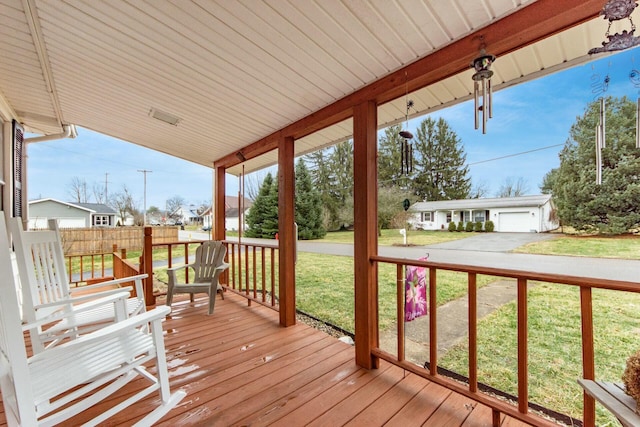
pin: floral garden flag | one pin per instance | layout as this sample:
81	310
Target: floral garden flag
415	291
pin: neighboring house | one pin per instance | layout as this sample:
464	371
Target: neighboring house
70	214
232	214
509	214
186	215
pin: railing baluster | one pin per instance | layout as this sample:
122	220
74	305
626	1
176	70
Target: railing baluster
273	277
523	369
400	311
255	295
473	332
588	355
433	326
186	261
233	265
264	293
246	272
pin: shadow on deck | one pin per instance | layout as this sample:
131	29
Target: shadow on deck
239	367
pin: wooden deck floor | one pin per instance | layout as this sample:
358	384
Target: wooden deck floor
239	367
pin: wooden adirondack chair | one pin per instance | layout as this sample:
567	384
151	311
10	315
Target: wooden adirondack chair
47	298
208	264
77	374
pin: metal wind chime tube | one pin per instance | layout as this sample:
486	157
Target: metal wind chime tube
638	124
599	155
603	142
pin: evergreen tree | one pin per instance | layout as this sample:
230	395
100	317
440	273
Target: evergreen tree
614	206
390	158
262	219
332	175
308	205
440	171
320	174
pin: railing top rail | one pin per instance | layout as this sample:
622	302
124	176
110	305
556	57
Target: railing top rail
591	282
179	242
257	245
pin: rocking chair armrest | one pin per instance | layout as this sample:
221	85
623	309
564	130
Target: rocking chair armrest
222	267
110	282
89	297
114	298
154	317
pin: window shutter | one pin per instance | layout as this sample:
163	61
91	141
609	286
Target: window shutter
18	159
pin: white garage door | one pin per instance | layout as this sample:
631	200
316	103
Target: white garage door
514	221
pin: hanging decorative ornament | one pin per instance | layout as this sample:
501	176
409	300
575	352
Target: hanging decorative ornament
406	150
615	10
482	88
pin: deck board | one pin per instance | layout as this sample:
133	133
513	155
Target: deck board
239	367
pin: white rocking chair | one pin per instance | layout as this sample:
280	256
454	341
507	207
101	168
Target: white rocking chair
60	382
49	306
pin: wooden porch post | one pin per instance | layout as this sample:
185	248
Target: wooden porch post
365	214
286	231
218	212
147	262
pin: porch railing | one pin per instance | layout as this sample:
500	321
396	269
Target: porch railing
253	272
88	267
521	410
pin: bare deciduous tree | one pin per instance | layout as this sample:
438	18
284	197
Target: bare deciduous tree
513	187
123	202
78	190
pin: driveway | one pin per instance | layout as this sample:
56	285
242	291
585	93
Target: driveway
493	242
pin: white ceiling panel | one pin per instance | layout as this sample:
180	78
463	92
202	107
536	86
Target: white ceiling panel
237	71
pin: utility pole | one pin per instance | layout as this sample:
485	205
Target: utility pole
145	172
106	188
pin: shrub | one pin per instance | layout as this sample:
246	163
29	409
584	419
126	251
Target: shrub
469	226
478	226
460	226
452	226
488	226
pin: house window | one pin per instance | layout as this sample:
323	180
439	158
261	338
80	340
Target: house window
426	216
101	220
449	217
479	216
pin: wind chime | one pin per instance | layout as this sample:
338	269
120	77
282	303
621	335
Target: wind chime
406	149
616	10
600	141
482	88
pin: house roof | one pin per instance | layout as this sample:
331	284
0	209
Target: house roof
238	76
489	203
96	208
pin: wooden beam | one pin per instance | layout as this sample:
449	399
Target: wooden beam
365	214
218	212
286	230
527	25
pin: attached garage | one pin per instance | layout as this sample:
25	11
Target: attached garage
513	222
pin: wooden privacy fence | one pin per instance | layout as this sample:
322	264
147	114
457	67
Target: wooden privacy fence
77	241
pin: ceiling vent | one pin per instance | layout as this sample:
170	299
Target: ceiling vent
164	117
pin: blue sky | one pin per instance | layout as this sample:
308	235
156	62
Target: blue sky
526	117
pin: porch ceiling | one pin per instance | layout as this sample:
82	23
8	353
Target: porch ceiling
237	72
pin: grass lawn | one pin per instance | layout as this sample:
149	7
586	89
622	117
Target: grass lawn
627	247
324	289
555	358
